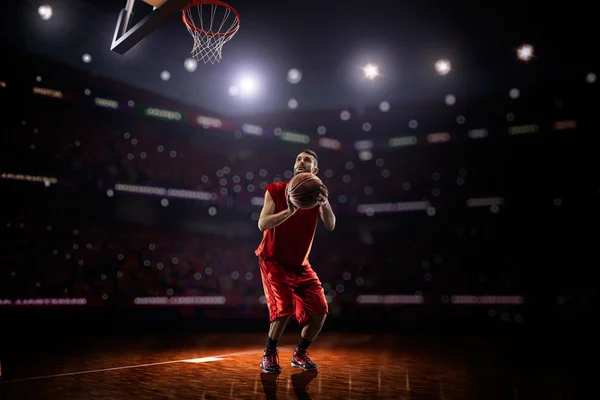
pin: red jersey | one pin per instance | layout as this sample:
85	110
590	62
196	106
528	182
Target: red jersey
290	242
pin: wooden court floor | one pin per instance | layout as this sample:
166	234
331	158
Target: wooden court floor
351	366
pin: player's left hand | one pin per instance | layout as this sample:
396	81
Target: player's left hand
323	198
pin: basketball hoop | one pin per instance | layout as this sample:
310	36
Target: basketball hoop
206	21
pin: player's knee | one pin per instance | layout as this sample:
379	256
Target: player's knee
281	320
319	316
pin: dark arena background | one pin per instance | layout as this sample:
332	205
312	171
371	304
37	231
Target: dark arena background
458	142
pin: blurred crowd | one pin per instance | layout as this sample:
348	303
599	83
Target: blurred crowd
82	146
73	239
63	258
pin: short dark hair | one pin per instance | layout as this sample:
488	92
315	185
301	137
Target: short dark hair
312	153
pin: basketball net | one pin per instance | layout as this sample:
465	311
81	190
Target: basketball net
211	23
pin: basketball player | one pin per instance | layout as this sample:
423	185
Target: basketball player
292	288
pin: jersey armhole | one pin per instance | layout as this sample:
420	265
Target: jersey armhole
272	191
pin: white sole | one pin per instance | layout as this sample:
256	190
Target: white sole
304	369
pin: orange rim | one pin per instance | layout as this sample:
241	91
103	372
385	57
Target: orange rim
191	25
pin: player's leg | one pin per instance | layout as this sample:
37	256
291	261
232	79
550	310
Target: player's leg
311	311
280	302
312	329
270	359
276	330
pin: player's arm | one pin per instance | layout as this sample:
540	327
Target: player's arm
327	215
268	219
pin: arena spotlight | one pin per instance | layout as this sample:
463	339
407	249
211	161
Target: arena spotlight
525	52
247	85
45	12
294	75
443	67
190	64
293	104
371	71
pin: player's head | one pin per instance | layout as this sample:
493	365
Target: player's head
306	161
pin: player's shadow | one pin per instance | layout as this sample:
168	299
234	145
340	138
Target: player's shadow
300	384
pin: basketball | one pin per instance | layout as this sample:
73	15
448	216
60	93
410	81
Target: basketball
304	190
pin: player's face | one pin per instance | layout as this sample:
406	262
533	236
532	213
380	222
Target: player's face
304	163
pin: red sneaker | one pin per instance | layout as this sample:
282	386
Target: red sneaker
300	359
270	362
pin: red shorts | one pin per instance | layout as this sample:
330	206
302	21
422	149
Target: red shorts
292	291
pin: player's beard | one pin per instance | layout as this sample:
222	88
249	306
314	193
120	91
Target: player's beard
299	171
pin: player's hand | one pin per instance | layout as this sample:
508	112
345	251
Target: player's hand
291	207
323	198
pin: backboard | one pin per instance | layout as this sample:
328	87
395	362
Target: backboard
140	18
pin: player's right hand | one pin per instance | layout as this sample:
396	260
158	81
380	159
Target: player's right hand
291	208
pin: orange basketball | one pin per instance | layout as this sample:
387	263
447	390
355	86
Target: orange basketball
304	190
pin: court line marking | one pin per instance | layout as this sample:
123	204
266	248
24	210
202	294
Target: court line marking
219	357
203	360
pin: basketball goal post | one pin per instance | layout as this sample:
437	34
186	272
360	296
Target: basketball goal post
211	23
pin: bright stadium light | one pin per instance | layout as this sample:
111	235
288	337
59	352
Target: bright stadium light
443	67
190	64
371	71
248	86
45	12
525	52
294	75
